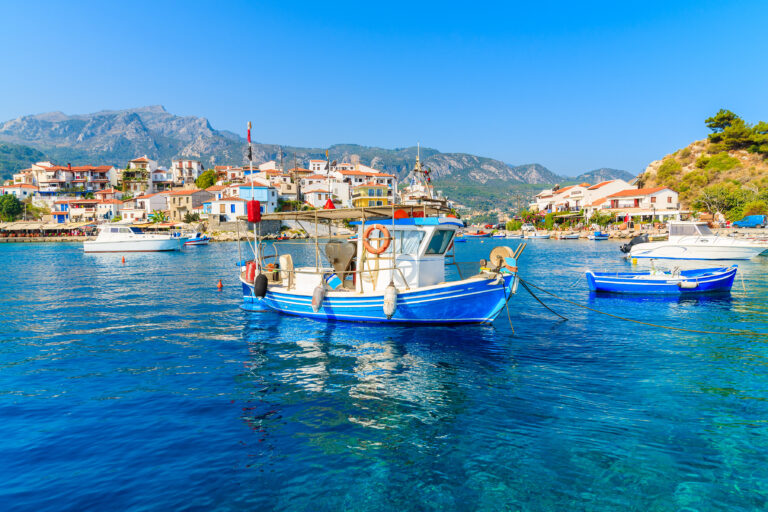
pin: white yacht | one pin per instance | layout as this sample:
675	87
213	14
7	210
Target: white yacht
693	241
116	238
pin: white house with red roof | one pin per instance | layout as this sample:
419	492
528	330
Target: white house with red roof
604	189
108	209
659	203
21	191
570	198
227	209
318	166
162	179
151	202
317	197
137	178
109	193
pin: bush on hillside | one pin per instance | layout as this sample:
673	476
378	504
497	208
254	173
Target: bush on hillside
513	225
668	170
755	208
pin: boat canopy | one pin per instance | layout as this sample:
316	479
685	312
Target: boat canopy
689	229
379	212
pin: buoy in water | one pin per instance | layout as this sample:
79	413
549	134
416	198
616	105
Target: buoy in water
219	286
123	260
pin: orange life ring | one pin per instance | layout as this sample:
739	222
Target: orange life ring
386	239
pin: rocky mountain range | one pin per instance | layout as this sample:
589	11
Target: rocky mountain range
116	136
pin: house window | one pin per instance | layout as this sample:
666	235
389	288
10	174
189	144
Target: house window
653	199
669	199
222	208
232	208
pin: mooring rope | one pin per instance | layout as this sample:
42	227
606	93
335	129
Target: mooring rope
732	333
540	301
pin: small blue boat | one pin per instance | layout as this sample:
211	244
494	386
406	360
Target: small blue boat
197	239
598	235
675	282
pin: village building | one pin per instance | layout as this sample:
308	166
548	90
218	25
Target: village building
658	203
317	198
370	194
184	201
184	172
226	209
21	190
108	209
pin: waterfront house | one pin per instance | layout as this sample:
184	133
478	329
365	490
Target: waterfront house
108	209
262	192
370	194
218	191
226	209
162	179
82	210
658	203
185	172
181	202
60	211
151	202
21	191
317	198
109	193
137	178
91	178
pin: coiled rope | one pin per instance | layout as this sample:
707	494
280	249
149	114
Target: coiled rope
732	333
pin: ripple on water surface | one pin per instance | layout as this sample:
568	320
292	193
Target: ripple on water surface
140	386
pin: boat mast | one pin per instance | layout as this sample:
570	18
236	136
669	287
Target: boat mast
250	174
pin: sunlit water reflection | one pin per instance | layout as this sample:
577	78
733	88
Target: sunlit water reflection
142	386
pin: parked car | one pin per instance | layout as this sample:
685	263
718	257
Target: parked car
751	221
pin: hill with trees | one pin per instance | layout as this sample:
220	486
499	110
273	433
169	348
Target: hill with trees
727	172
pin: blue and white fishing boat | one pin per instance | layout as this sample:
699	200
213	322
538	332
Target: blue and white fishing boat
477	234
498	235
569	236
664	282
395	272
598	235
197	239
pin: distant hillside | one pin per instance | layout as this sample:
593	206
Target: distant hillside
115	137
604	174
14	157
727	172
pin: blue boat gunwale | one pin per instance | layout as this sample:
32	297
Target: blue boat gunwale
715	279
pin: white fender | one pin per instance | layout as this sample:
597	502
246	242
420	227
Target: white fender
390	300
687	285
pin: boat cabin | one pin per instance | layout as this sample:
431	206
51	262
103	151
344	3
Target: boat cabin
681	228
415	257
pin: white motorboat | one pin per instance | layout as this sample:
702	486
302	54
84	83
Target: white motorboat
693	241
116	238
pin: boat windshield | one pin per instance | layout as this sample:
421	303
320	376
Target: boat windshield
137	231
439	242
689	230
408	242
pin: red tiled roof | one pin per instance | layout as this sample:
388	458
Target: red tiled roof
107	191
300	169
185	192
318	192
229	199
21	185
370	184
601	184
110	201
140	159
316	177
216	188
638	192
599	202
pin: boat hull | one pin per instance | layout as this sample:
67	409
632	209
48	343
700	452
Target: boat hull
197	242
460	302
705	281
169	244
665	250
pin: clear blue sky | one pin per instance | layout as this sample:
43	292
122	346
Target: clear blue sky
571	85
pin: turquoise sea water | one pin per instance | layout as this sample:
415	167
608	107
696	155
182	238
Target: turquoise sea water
142	387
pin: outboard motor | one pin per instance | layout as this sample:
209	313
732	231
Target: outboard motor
640	239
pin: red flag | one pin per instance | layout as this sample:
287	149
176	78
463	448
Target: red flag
249	132
329	205
626	218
